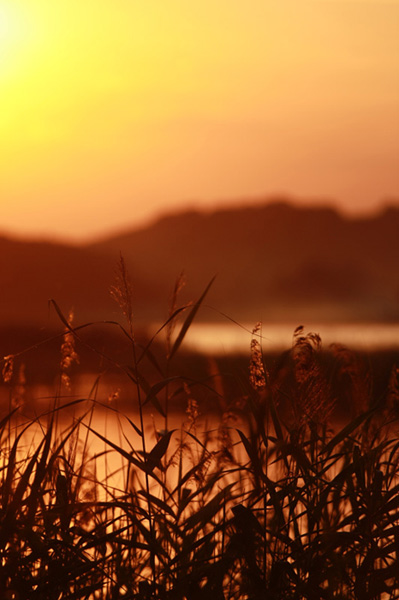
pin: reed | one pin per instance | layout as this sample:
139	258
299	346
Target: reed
274	500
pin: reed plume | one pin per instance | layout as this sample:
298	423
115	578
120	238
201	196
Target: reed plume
121	292
69	355
257	372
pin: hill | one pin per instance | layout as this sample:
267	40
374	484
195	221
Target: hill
274	261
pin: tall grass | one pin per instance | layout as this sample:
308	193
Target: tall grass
274	500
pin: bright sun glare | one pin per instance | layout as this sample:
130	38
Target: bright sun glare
8	24
13	36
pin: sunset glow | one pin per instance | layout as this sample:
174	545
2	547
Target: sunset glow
111	112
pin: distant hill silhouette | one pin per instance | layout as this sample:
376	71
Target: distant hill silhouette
274	261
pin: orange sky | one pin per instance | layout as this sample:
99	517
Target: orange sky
114	110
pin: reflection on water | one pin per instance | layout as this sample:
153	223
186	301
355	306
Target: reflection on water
229	338
100	430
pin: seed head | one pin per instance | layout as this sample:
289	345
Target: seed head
121	291
257	374
192	410
68	353
8	368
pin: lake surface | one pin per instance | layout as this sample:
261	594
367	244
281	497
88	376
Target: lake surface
224	339
103	428
230	338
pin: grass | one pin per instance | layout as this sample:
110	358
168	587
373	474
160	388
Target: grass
274	500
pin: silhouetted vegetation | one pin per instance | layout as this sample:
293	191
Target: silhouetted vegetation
274	499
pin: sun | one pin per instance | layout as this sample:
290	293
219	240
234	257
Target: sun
14	36
8	24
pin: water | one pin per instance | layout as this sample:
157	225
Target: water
230	338
209	338
102	428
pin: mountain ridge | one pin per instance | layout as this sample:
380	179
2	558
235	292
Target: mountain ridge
272	261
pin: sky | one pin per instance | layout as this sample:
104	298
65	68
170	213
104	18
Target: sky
114	111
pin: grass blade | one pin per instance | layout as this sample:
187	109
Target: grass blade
189	320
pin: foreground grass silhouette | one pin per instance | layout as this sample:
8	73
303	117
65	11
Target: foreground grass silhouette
268	503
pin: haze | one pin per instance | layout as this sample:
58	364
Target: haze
114	111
